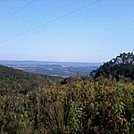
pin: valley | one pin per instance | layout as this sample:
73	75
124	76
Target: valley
60	69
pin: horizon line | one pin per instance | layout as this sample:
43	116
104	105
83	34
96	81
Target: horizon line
49	61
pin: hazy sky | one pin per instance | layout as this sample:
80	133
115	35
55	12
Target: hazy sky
94	34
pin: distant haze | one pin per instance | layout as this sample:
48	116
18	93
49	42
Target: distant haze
62	69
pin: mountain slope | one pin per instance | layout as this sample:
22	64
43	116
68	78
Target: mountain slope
20	81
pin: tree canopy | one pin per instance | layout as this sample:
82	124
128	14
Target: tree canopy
120	67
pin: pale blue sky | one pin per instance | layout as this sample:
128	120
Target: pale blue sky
94	34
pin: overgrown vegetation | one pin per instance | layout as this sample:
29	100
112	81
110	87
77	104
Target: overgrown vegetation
84	106
77	105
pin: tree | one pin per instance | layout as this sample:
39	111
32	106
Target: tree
121	66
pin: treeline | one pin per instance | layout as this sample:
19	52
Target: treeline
121	67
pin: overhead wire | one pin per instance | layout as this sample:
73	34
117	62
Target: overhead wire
51	21
17	11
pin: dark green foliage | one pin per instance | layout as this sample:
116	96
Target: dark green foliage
13	80
119	68
84	106
34	104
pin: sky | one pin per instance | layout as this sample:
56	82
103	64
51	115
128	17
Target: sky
97	33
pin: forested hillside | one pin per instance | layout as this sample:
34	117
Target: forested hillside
121	67
13	80
31	104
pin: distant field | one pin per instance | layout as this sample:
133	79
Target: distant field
63	69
